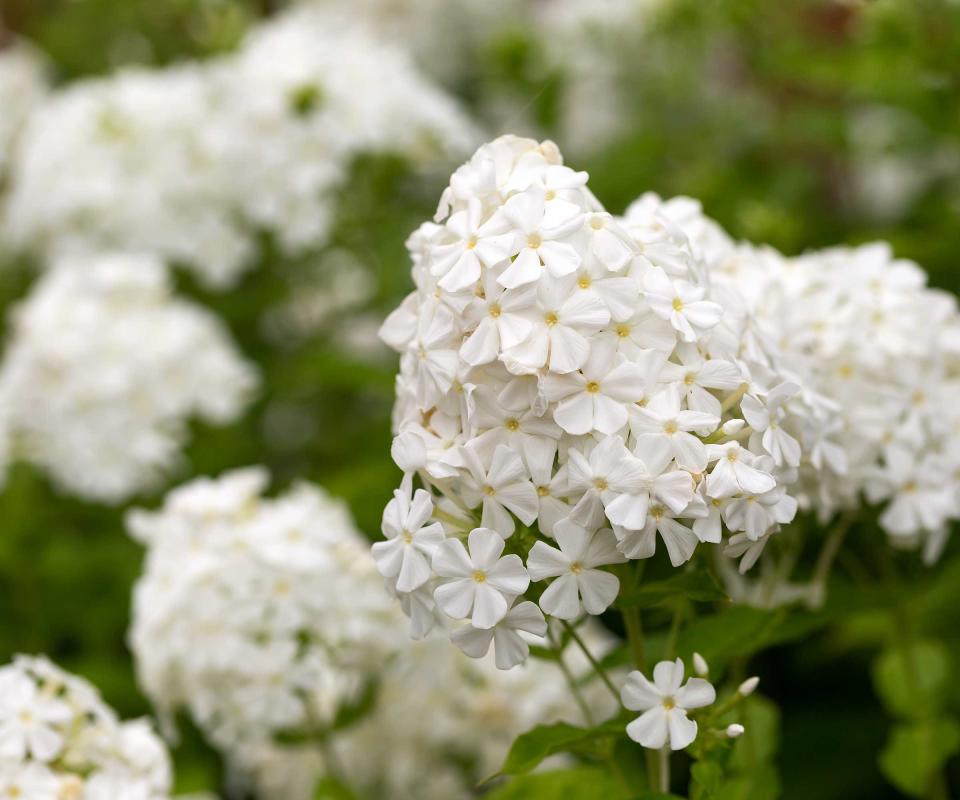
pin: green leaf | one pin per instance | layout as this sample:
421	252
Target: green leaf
913	681
532	747
761	784
356	710
330	788
698	585
707	776
760	741
916	751
579	783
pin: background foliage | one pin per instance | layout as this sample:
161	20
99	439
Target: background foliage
782	118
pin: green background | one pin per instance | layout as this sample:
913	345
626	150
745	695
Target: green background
767	146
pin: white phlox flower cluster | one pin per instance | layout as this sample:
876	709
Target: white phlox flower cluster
60	741
442	722
255	614
574	373
103	369
265	618
880	349
23	86
190	162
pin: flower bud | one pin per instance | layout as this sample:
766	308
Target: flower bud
733	427
734	731
748	687
700	665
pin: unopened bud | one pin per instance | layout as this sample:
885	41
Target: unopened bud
734	731
748	687
733	427
700	665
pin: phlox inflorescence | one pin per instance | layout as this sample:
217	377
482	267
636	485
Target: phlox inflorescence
58	739
880	348
575	375
103	369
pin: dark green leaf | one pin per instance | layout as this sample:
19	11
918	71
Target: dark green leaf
532	747
698	585
580	783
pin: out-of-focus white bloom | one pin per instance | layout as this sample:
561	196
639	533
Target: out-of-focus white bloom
103	369
58	739
23	86
866	346
255	614
189	162
518	401
266	618
665	704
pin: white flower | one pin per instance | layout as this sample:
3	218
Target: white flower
477	245
481	581
767	418
597	396
642	543
575	567
665	703
681	303
30	723
502	323
664	419
735	472
500	488
411	542
509	646
539	228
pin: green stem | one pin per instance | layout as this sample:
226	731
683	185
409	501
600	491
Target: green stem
571	681
593	661
664	769
828	554
671	646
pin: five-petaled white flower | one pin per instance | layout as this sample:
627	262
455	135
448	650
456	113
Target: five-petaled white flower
481	581
410	540
31	723
574	566
681	303
510	648
665	703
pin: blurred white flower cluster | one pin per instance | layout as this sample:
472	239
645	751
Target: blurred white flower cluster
59	741
268	621
190	162
575	373
23	86
881	349
103	369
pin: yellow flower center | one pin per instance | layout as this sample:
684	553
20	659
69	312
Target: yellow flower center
512	424
623	330
670	426
550	318
677	304
489	491
669	703
593	387
479	576
601	484
471	242
584	282
495	310
690	378
596	222
543	491
534	241
576	567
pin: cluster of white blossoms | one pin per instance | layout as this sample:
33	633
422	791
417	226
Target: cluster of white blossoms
190	162
574	373
23	85
254	613
104	367
266	619
440	724
60	741
882	350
